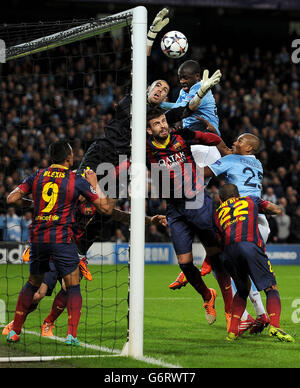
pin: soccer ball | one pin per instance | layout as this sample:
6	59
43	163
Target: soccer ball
174	44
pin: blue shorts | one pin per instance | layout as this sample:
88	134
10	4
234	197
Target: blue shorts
185	223
64	256
246	259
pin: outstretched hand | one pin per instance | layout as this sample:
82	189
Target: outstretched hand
159	220
159	22
208	83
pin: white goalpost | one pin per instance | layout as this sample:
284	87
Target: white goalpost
138	184
137	17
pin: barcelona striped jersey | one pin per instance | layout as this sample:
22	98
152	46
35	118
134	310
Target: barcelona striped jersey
55	191
175	161
237	220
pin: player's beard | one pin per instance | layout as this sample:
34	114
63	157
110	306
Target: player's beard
161	138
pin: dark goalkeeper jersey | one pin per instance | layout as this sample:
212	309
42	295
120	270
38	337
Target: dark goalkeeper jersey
117	135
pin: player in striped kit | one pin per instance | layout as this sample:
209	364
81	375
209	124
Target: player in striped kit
244	256
55	191
189	206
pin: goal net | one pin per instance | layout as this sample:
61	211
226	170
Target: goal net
63	80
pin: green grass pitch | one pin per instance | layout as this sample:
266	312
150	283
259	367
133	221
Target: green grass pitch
175	329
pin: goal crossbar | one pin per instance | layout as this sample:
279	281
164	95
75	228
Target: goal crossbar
71	35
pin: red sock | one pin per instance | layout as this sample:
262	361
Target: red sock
273	305
224	281
24	306
194	277
237	310
74	303
58	306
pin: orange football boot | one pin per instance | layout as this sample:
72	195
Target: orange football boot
228	320
46	330
181	281
210	311
206	267
84	269
26	255
7	328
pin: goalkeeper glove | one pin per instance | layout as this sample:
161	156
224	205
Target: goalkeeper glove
157	25
206	86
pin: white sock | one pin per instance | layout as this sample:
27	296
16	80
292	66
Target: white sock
244	316
255	298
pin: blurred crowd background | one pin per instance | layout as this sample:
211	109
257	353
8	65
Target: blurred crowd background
75	98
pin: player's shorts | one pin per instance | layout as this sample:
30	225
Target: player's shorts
246	259
64	257
205	155
185	223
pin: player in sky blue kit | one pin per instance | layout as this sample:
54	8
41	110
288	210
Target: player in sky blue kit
192	90
189	77
243	169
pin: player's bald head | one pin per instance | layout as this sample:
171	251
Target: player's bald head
252	141
227	191
246	144
190	66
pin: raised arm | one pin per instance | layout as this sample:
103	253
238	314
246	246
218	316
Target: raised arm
157	25
199	137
